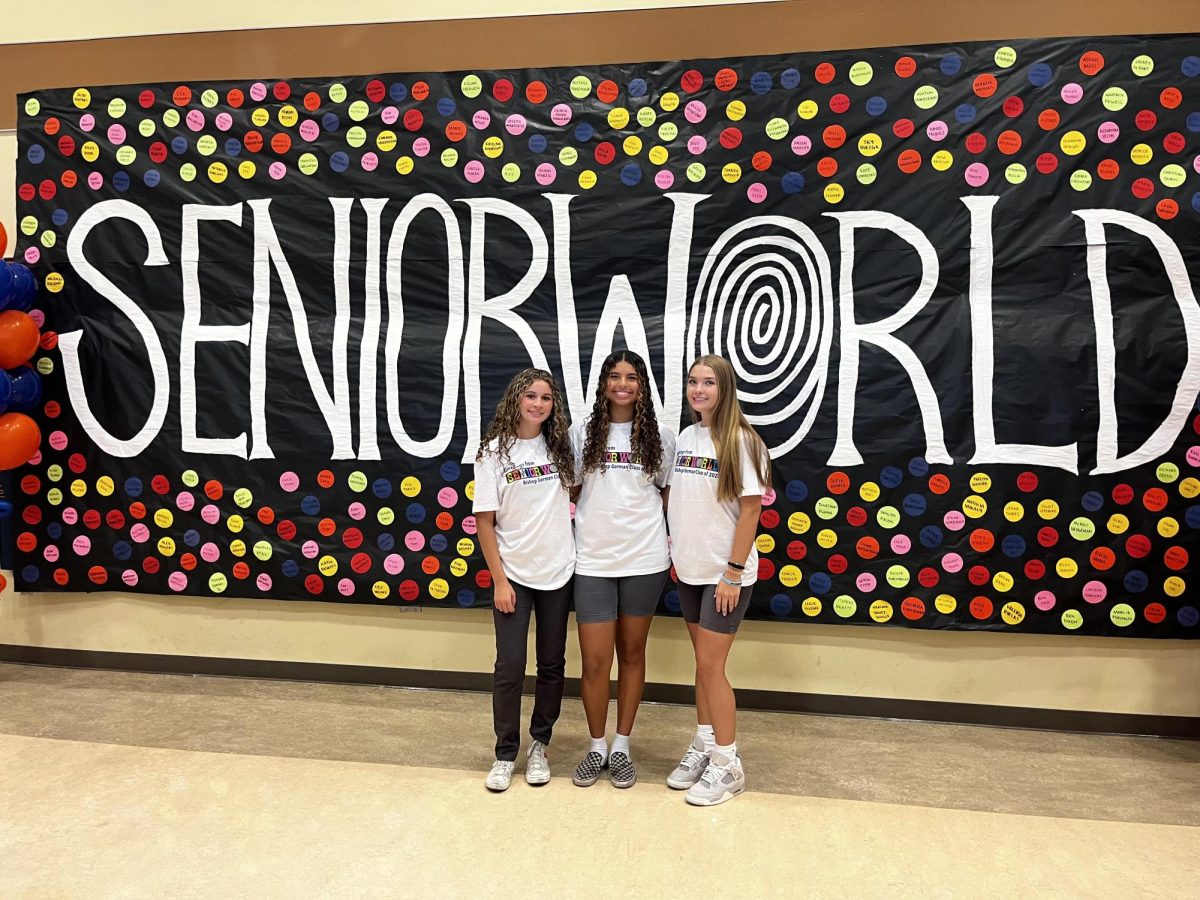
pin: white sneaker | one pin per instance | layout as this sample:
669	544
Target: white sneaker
501	775
723	780
537	769
690	768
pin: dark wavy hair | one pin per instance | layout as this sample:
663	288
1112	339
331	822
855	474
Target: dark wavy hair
503	427
646	442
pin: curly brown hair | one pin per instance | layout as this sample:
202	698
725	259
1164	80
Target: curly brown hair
645	440
503	427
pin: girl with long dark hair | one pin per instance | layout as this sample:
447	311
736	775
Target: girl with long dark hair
623	459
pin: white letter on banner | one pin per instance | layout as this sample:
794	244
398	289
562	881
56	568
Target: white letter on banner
193	333
621	306
501	307
880	334
69	342
983	365
436	445
1164	436
267	253
368	441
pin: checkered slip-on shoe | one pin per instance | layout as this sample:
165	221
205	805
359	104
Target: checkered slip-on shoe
620	770
589	769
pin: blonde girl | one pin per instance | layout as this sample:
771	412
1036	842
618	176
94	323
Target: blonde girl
721	471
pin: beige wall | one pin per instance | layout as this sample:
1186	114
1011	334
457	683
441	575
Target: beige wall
80	20
1057	672
1099	674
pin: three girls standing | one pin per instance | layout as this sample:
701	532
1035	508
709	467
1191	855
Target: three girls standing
622	461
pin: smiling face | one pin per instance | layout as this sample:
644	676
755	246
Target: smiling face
621	390
537	402
702	391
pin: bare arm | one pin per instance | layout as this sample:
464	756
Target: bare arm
743	538
505	598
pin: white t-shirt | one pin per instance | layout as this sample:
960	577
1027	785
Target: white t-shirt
533	513
619	525
701	525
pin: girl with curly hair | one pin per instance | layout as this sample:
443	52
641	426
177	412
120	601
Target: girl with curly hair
523	474
721	471
623	458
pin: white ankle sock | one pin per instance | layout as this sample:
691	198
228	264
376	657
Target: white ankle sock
600	745
621	743
728	751
707	738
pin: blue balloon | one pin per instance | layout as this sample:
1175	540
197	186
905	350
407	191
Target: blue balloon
6	509
26	387
6	284
24	287
6	389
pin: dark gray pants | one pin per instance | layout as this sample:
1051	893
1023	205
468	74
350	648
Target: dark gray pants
550	609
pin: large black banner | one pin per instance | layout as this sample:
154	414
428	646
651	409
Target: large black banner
956	281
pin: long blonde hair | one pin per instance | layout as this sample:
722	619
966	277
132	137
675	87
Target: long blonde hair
727	424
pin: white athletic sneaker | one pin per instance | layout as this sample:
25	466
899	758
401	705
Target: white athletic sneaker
501	775
690	768
537	769
723	780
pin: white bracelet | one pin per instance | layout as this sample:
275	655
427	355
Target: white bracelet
731	583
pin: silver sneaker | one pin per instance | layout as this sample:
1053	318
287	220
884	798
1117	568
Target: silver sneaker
501	775
537	769
690	768
722	780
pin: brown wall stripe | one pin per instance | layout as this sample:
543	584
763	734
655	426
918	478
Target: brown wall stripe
560	40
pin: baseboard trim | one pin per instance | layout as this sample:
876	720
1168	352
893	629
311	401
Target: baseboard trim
1185	727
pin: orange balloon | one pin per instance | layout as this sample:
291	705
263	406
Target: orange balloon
20	438
3	240
19	338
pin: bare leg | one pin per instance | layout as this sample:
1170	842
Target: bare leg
703	715
597	641
712	650
632	632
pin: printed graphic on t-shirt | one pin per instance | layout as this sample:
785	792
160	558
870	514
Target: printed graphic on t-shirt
621	459
526	473
690	463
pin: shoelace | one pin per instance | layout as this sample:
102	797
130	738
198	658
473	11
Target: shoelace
537	758
691	758
713	774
